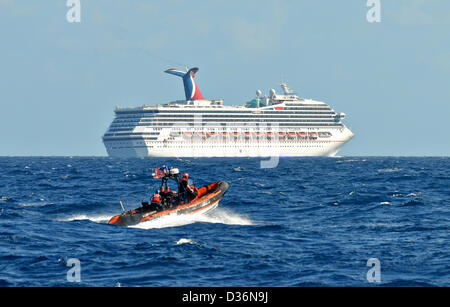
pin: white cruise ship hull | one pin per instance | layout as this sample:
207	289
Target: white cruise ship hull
214	147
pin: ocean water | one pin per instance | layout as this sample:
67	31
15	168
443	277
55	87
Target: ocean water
306	222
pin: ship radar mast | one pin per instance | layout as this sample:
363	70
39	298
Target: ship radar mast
286	89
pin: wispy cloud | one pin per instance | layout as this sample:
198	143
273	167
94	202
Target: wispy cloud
441	61
421	12
256	34
6	2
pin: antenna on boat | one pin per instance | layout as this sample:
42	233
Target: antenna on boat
123	209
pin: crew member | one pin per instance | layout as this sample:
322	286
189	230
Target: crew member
163	195
156	201
190	192
161	190
167	197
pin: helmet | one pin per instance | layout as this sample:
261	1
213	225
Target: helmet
186	175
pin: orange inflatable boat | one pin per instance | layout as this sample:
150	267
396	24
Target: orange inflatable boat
205	199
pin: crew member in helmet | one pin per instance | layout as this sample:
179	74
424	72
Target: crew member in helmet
156	201
171	197
189	191
167	197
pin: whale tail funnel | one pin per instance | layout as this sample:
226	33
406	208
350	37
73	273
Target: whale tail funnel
190	87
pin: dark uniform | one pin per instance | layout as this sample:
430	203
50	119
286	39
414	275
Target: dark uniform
189	192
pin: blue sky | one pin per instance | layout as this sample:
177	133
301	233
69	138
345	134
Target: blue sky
60	81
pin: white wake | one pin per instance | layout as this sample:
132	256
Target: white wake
81	217
216	216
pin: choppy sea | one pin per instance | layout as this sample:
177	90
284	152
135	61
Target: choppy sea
305	222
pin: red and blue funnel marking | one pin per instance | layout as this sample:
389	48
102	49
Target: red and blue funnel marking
190	88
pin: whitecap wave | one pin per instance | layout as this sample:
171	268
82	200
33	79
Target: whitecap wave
185	241
5	198
414	194
389	170
43	204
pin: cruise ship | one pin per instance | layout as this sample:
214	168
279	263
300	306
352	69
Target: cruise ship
278	124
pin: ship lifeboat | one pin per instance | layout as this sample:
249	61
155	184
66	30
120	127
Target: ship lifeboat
257	133
247	133
211	133
224	133
235	133
291	133
313	134
302	134
269	133
281	133
188	134
200	133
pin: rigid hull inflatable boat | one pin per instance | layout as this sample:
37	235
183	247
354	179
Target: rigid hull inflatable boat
199	200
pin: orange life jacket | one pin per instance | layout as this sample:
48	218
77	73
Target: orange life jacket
156	198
